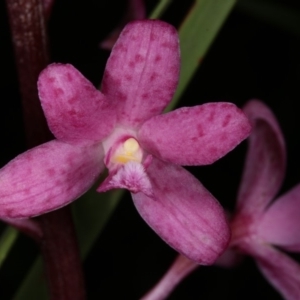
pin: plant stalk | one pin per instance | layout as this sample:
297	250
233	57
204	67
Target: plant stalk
58	243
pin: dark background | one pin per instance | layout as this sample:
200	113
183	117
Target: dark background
250	58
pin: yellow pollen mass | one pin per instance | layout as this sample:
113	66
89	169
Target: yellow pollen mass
131	145
129	151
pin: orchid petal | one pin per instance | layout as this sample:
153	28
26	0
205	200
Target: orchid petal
195	135
143	70
281	271
74	109
47	177
183	213
264	169
280	223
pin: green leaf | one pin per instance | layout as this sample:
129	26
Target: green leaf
7	240
196	34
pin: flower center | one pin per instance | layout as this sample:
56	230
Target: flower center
129	150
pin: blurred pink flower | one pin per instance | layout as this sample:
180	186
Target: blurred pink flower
261	227
122	128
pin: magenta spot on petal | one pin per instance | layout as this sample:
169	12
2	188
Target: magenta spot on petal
113	59
29	156
153	110
211	116
226	120
139	58
223	138
131	64
120	47
160	166
145	96
72	112
117	81
58	92
8	212
153	37
153	76
58	182
157	58
51	172
70	159
128	77
26	191
121	96
51	79
63	172
69	77
125	31
72	100
159	91
137	120
200	131
213	150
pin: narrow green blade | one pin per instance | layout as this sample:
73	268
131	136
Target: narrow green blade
197	33
7	240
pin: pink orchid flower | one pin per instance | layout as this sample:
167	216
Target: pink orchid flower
122	128
260	226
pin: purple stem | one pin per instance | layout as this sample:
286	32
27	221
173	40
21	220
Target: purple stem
59	248
58	243
31	56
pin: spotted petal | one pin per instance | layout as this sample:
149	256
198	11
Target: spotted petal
183	213
75	110
142	71
265	162
47	177
195	135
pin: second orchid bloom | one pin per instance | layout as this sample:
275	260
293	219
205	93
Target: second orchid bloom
123	129
261	227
